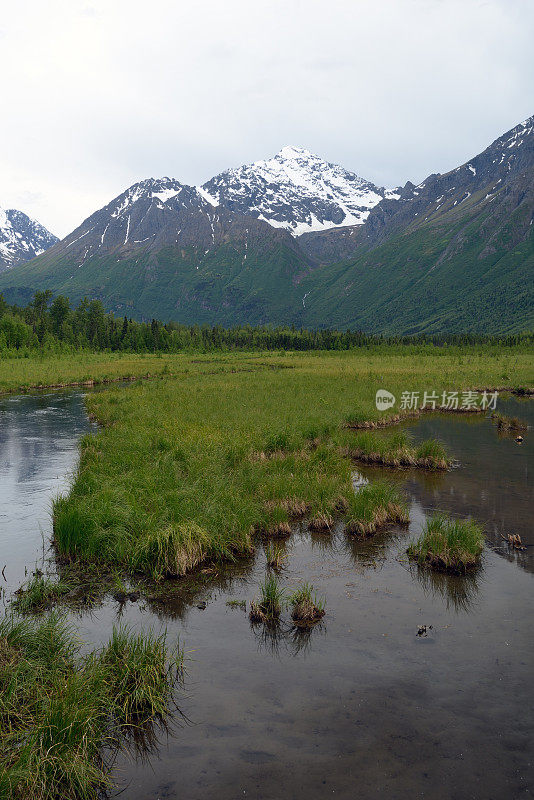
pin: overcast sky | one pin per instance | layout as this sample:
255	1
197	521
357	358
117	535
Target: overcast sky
98	95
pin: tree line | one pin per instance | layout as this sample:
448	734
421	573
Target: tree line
50	324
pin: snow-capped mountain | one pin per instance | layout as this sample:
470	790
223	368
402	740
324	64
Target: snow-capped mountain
21	238
296	190
160	245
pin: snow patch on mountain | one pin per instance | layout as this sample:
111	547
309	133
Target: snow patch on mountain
296	190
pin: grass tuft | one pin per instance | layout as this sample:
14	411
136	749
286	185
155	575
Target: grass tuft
307	609
397	450
448	545
375	505
268	606
39	593
275	556
321	523
60	711
137	674
504	423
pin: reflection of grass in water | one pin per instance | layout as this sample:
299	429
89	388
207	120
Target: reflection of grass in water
277	637
459	593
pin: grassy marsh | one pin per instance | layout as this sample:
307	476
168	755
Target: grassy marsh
448	545
189	468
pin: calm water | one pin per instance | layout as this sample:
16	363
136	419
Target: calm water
39	438
362	707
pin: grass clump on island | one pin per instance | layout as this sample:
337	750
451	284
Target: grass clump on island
189	468
397	450
59	711
375	505
505	423
307	608
267	607
448	545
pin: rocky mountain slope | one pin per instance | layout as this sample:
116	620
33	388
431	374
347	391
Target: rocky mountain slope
455	252
21	238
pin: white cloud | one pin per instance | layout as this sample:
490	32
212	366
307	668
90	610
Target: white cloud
96	95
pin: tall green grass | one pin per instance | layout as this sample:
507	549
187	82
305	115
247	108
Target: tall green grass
448	545
60	711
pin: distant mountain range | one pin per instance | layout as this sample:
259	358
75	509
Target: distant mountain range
21	238
298	240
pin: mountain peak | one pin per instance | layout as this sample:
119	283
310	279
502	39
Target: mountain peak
296	190
289	152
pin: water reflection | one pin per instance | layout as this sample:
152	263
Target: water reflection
278	636
285	712
458	592
39	437
493	482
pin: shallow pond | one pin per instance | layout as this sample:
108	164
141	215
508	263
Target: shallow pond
361	706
